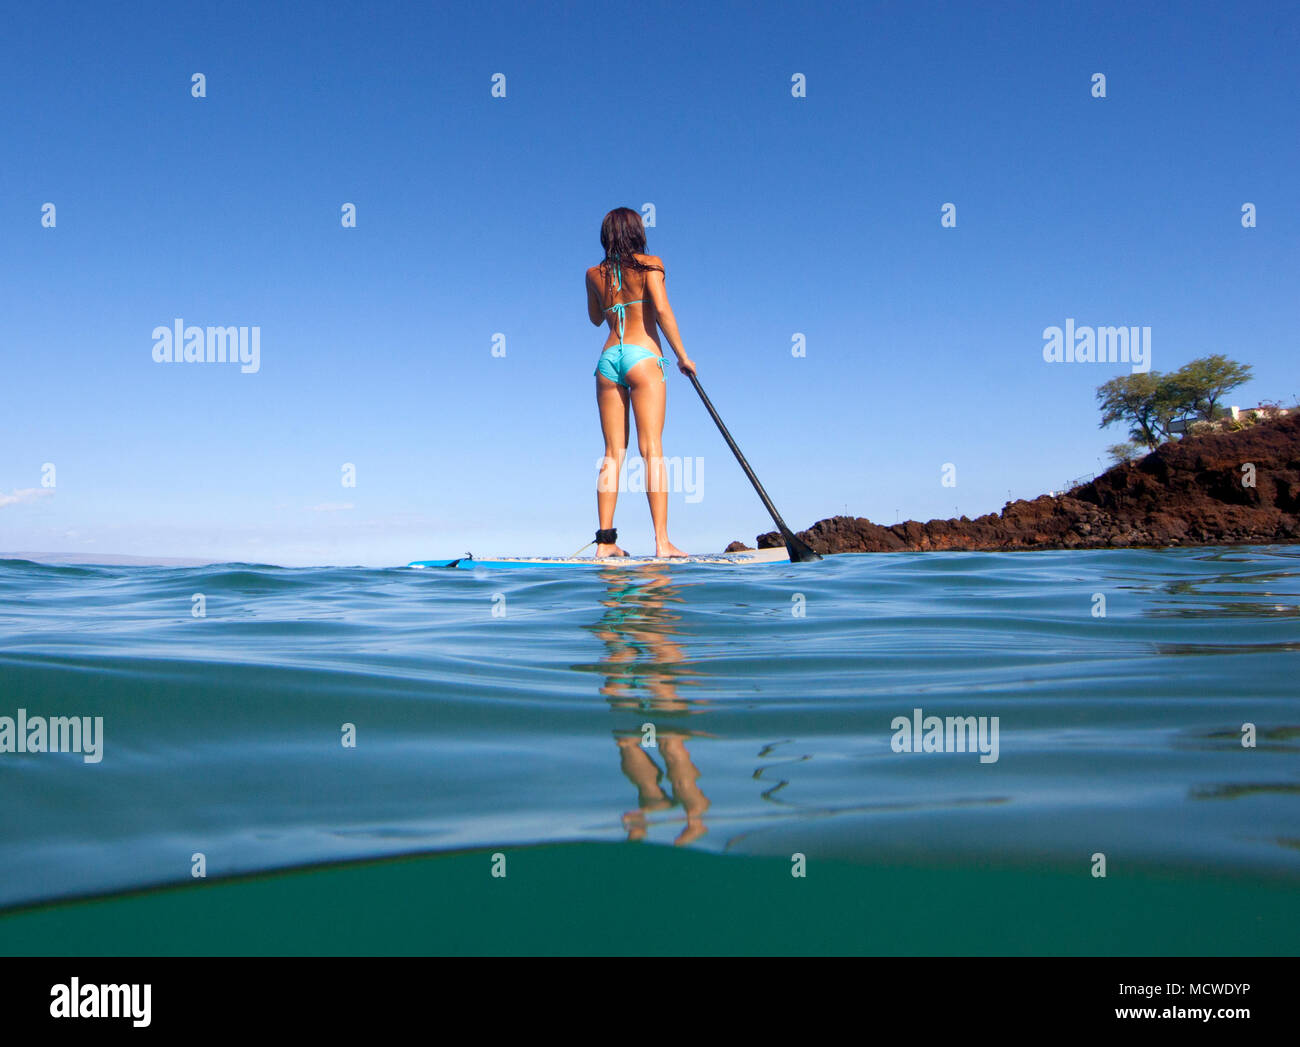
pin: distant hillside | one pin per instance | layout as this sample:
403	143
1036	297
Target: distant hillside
1186	492
106	559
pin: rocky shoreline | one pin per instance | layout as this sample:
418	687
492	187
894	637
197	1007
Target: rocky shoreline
1194	491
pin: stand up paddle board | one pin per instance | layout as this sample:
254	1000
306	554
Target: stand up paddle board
745	559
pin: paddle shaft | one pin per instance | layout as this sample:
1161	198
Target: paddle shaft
799	551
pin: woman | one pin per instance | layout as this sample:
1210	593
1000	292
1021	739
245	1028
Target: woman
627	291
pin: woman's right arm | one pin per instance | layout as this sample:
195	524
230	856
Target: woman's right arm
658	292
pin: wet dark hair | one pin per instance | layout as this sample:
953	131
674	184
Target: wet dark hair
622	235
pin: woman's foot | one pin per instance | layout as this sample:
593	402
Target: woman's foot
667	549
693	831
608	549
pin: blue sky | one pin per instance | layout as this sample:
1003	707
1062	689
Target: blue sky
477	215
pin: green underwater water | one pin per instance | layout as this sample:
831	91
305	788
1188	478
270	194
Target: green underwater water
631	900
508	710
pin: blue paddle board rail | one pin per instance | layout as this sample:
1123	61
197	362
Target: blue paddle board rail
743	559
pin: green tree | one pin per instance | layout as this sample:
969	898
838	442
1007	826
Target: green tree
1125	452
1143	401
1202	383
1151	402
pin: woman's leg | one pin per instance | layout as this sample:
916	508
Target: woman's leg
611	398
683	774
649	401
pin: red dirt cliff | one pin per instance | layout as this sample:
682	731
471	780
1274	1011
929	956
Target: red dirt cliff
1186	492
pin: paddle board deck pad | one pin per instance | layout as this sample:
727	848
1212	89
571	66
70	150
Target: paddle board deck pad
745	559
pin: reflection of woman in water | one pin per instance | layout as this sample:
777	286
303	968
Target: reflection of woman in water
642	656
645	774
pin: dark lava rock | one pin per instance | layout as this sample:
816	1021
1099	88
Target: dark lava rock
1188	491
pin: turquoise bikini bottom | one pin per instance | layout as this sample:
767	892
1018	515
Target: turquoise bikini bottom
617	360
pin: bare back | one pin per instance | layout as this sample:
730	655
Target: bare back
641	320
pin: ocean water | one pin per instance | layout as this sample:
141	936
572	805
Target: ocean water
508	708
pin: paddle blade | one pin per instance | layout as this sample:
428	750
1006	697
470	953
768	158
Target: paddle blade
798	550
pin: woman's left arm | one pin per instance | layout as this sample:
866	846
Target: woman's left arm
594	311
